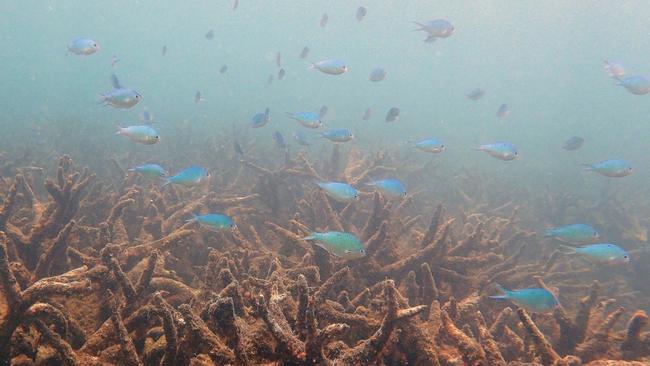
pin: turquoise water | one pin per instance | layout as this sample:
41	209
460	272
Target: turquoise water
545	60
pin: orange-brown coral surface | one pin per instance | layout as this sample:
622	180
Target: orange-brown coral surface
107	271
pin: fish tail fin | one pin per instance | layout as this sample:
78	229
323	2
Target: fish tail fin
310	237
498	297
120	130
311	66
430	39
290	115
479	148
567	250
548	233
194	218
504	292
102	99
130	170
587	167
164	183
422	27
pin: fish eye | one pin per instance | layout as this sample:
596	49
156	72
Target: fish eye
157	137
626	257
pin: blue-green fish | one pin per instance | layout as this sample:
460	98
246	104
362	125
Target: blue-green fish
603	253
500	150
213	222
574	143
150	170
635	84
437	28
338	135
503	111
476	94
430	145
261	119
301	138
331	67
574	233
377	74
120	97
307	119
188	176
143	134
83	46
392	188
532	299
611	168
340	244
341	192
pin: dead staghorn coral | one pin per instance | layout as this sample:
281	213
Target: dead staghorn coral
110	273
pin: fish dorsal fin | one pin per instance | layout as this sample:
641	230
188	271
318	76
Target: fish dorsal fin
115	82
146	117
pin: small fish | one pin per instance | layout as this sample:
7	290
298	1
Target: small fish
307	119
223	69
188	176
261	119
476	94
209	35
341	192
340	244
377	74
213	222
367	114
331	67
635	84
602	253
392	188
143	134
305	52
323	20
361	13
574	143
323	111
574	233
614	168
150	171
278	59
198	97
500	150
392	115
430	146
237	148
269	81
532	299
615	69
503	111
279	140
281	74
437	28
164	50
301	138
146	117
83	46
120	97
114	60
338	135
235	5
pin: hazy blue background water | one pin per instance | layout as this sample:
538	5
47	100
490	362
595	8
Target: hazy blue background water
543	58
